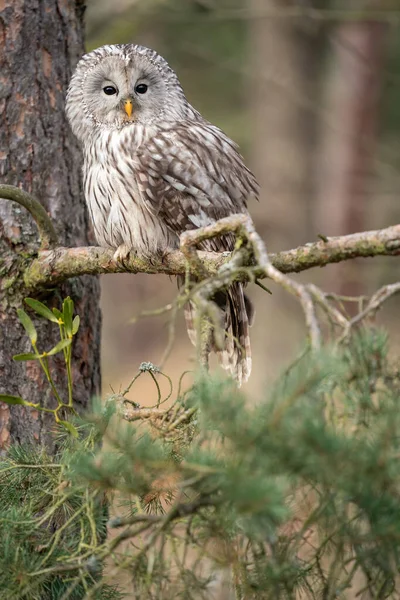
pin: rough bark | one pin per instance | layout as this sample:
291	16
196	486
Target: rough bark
40	43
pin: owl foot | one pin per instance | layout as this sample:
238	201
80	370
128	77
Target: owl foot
122	253
164	255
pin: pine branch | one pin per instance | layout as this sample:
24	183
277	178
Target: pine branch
248	495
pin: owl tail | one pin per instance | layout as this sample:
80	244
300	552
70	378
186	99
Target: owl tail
237	315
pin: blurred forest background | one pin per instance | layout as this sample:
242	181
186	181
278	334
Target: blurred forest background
310	89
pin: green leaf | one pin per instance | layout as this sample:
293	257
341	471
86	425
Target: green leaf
41	309
57	313
27	325
60	346
68	310
75	324
13	400
69	427
27	356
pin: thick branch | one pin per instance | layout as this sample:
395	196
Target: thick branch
54	266
47	233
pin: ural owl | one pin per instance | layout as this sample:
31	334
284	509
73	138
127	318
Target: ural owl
154	168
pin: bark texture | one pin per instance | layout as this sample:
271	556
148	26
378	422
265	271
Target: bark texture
40	43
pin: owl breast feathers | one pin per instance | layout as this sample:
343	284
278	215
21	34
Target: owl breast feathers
154	168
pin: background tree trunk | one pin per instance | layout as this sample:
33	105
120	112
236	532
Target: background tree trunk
349	141
286	60
40	43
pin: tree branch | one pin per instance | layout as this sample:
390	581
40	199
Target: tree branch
47	233
55	266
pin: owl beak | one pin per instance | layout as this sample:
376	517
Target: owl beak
128	107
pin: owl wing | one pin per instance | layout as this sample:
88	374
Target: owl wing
191	175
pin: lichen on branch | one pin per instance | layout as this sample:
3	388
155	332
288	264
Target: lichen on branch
57	265
53	264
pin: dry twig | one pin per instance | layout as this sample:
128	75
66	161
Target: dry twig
243	227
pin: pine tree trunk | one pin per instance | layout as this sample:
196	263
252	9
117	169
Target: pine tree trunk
349	141
285	64
284	88
40	43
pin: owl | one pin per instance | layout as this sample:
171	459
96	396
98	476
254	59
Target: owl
154	168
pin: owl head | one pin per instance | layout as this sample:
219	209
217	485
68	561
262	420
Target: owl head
117	86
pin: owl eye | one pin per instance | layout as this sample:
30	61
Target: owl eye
141	88
109	90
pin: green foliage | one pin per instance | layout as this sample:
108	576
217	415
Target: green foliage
68	327
298	494
45	521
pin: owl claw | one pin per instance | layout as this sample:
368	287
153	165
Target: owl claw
122	253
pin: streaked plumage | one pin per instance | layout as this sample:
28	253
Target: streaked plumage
153	174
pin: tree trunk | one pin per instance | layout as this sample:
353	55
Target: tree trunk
40	43
349	141
285	67
285	64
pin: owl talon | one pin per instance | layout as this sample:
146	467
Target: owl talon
122	254
164	255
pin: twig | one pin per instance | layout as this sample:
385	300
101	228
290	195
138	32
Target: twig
178	511
263	287
375	303
306	302
383	294
47	233
130	413
157	312
333	313
243	226
171	334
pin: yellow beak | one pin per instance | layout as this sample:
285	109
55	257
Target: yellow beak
128	107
